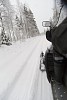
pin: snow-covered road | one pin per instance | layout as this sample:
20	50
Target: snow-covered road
20	77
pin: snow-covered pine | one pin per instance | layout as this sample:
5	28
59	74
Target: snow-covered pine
30	23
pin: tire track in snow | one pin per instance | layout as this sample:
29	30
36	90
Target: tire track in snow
35	86
29	94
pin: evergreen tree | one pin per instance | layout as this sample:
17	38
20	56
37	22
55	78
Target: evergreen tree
30	23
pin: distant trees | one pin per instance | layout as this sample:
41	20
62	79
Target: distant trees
16	24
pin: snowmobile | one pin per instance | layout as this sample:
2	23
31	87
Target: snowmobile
42	65
59	89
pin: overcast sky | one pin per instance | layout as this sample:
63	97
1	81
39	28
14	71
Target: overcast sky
42	10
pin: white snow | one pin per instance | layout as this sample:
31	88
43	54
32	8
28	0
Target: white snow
20	77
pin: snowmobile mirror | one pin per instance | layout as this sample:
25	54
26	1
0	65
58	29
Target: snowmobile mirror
46	23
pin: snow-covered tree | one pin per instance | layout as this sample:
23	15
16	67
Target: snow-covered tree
18	28
30	23
5	12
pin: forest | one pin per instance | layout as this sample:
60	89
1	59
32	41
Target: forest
16	22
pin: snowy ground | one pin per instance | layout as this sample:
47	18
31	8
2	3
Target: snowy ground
20	77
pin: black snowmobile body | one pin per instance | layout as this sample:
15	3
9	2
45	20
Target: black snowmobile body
59	90
56	58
